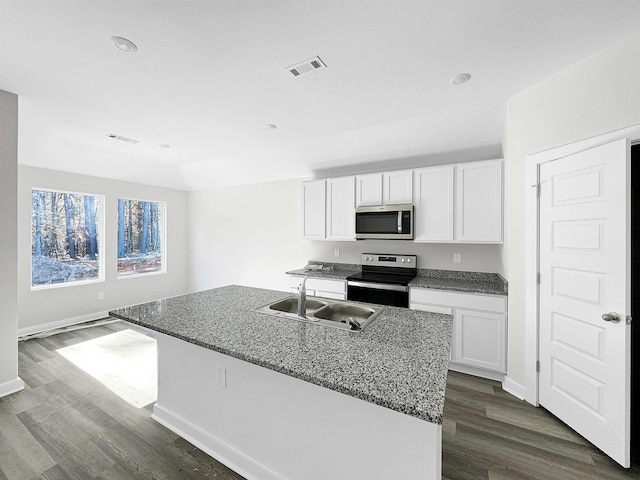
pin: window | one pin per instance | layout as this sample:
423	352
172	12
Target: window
140	237
66	238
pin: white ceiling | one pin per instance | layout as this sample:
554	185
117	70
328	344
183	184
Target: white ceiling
209	74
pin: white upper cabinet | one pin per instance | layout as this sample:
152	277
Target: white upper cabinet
328	209
479	202
398	187
459	203
369	190
313	210
433	193
388	188
341	215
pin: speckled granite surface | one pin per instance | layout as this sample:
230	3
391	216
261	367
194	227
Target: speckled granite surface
336	271
399	361
468	282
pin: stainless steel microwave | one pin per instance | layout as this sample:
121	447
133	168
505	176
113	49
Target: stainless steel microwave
393	222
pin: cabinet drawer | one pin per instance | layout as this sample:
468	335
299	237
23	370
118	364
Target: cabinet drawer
431	308
332	295
320	284
491	303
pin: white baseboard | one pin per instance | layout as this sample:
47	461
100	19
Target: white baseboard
514	388
43	327
213	446
477	372
12	386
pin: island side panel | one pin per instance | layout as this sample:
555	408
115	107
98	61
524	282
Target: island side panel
266	425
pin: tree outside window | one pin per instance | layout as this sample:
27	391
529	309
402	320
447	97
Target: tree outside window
140	237
65	238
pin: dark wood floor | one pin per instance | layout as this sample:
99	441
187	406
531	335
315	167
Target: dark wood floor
490	434
66	425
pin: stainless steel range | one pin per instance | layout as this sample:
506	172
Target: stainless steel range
384	279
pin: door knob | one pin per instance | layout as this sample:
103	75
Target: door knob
612	317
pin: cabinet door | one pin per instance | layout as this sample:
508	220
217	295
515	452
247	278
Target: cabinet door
340	208
480	339
433	193
398	187
479	202
313	210
369	190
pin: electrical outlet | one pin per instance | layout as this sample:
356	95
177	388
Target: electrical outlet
100	295
336	252
456	258
222	376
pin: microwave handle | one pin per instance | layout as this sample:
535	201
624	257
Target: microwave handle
399	221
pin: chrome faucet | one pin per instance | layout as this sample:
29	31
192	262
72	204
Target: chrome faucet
302	298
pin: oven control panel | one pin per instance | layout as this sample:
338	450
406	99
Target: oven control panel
403	261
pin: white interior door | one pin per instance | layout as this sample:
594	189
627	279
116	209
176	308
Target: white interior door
584	274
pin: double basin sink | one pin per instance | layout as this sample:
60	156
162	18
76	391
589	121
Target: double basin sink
330	313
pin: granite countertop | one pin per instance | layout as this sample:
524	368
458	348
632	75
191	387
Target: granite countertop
457	281
335	271
467	282
399	361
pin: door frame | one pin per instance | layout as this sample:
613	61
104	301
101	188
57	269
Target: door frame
532	247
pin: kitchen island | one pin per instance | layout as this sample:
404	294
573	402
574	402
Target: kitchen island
277	398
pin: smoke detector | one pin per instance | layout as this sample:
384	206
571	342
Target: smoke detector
123	139
305	67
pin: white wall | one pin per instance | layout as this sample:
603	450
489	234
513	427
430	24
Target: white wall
69	304
598	95
8	243
250	235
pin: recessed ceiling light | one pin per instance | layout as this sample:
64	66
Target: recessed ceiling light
270	126
124	44
460	79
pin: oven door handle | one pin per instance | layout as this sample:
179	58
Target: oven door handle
378	286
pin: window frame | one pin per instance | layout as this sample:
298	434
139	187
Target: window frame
100	225
163	239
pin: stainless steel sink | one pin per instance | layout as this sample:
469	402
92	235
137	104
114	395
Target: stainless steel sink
322	311
343	312
290	305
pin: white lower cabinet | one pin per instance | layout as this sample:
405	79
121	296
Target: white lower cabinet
479	337
320	287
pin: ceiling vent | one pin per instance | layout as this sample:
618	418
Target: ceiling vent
305	67
124	139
